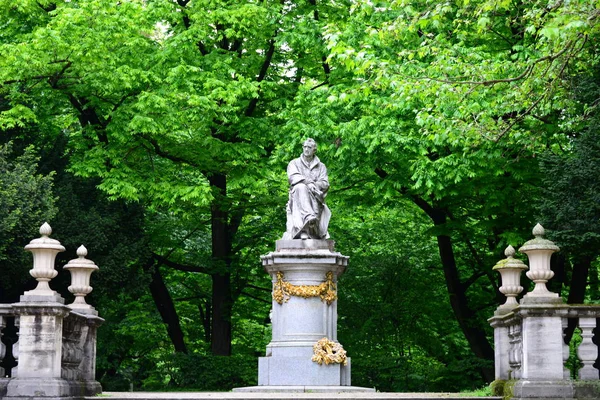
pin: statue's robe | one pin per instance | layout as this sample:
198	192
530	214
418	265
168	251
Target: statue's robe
306	208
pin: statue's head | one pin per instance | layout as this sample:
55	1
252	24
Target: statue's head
309	147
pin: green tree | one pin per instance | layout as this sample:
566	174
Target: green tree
26	198
170	104
570	202
448	105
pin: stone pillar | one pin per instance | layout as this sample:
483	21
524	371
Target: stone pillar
40	351
542	342
88	364
304	275
40	312
501	349
83	346
542	313
510	270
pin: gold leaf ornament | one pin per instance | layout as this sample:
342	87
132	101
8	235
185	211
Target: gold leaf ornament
282	290
329	352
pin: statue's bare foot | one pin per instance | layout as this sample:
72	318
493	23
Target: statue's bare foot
304	236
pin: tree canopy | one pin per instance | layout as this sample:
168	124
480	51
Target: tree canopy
166	127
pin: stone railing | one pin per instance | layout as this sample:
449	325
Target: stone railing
532	357
8	347
55	346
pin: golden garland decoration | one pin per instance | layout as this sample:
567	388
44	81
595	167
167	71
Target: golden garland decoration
282	290
328	352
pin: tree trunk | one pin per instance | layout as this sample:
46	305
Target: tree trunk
475	335
222	301
166	308
577	288
221	326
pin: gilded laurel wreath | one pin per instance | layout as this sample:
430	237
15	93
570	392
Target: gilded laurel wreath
328	352
282	290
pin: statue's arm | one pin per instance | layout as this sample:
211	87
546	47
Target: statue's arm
294	175
323	181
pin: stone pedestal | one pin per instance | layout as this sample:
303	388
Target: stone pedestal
88	365
304	275
501	346
543	341
40	351
543	370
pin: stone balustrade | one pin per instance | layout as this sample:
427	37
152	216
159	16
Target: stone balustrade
531	354
54	348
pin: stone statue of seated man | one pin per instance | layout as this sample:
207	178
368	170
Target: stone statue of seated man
307	214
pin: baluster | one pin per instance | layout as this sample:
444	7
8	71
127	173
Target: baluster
515	357
68	348
15	348
587	350
72	350
566	371
518	349
2	346
595	340
511	352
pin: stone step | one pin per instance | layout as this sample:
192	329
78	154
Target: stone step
284	396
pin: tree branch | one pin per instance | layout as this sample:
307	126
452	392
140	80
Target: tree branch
259	288
535	103
525	73
166	155
180	267
326	67
262	74
256	298
89	116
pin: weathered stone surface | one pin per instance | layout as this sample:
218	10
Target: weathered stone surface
289	393
40	340
542	342
81	270
37	388
543	389
44	250
304	275
586	390
3	384
539	251
285	391
56	347
301	371
307	214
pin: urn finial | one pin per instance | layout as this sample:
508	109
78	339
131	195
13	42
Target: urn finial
81	270
45	230
82	251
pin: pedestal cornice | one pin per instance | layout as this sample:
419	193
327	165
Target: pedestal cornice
306	254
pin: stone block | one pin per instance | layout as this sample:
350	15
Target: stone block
542	347
42	299
539	389
301	371
588	390
3	384
40	387
328	390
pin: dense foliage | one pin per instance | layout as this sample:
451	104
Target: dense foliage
156	132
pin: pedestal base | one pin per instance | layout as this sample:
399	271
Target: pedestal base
304	389
301	371
37	387
3	385
542	390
